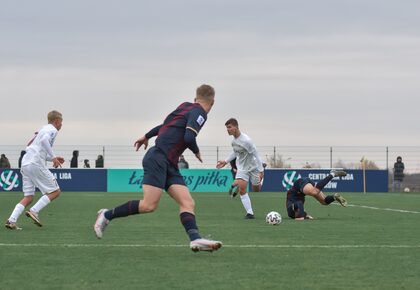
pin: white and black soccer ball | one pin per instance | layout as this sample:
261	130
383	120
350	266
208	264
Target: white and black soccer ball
407	189
273	218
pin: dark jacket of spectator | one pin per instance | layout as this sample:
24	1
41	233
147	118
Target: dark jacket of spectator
99	163
86	163
399	169
74	161
23	152
4	162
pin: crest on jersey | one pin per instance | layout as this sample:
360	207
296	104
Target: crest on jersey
200	120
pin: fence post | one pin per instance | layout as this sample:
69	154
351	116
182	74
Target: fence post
274	156
387	156
331	152
103	154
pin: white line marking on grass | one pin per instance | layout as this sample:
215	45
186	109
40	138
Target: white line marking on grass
225	246
387	209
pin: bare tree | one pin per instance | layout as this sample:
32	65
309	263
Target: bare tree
311	165
277	161
369	164
340	164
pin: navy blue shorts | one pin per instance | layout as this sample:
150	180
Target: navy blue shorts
301	182
158	171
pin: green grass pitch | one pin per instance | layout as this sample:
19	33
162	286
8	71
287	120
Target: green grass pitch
370	247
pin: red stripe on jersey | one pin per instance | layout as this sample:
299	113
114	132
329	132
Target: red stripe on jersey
177	149
185	107
33	138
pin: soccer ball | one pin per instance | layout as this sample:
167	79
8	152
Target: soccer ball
407	189
273	218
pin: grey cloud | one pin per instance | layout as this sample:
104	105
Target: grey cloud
125	64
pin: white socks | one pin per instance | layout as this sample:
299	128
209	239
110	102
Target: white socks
19	208
246	201
41	203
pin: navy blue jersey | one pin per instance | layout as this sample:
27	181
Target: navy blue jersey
294	194
296	191
171	135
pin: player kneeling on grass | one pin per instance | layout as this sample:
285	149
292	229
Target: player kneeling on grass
305	186
36	174
177	133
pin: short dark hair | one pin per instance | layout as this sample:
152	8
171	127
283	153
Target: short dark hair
232	121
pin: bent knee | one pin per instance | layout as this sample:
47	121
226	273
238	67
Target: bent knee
53	195
315	191
146	208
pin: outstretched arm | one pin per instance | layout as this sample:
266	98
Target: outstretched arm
154	132
222	163
144	140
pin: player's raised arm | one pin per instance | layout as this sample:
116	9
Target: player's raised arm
144	140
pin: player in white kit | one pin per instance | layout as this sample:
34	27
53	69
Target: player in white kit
248	163
36	174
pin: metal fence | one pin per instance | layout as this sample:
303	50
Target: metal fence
275	156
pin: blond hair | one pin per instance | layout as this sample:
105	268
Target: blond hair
54	115
205	92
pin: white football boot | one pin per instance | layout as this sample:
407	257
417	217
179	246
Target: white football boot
101	223
34	217
205	245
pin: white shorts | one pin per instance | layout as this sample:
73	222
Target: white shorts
253	176
36	176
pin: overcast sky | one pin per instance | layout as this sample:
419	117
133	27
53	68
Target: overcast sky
306	72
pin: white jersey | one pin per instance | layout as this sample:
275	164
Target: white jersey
39	149
245	152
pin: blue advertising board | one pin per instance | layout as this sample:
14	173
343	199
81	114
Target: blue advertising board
10	180
198	180
68	179
282	180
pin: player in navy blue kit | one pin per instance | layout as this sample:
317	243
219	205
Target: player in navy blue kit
305	186
177	133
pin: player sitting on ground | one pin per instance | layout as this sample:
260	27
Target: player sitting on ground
305	186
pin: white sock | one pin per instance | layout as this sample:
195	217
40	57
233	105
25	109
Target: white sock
40	204
19	208
246	201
